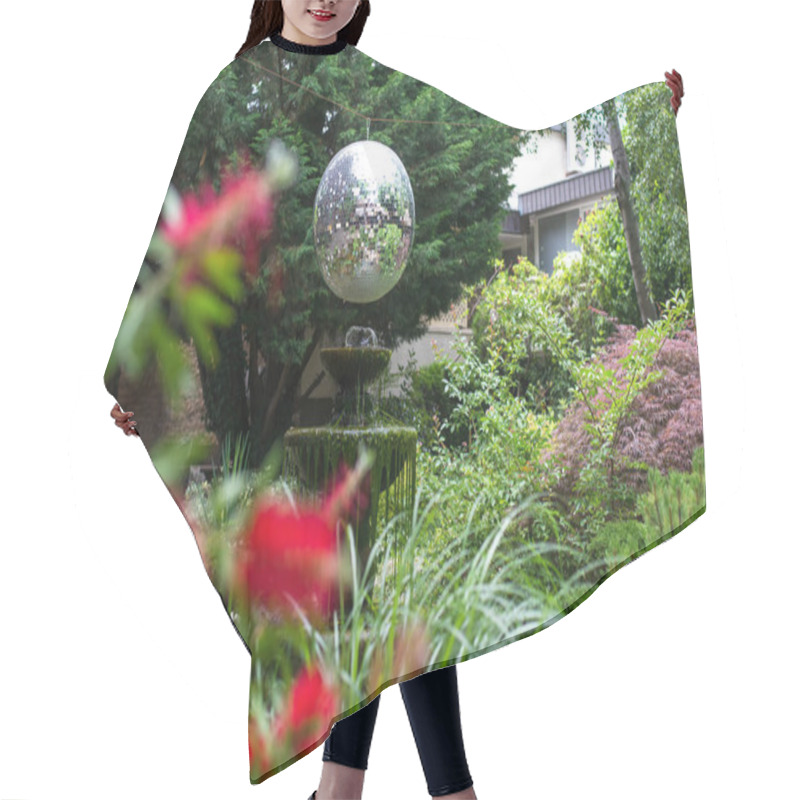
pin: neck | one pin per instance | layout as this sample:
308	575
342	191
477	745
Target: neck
297	46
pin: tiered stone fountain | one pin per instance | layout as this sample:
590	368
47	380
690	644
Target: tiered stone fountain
313	455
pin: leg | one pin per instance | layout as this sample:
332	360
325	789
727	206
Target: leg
345	755
435	716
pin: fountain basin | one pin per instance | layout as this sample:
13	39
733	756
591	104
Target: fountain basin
314	454
353	366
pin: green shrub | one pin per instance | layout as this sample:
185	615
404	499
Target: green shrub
673	498
605	263
423	403
669	503
509	326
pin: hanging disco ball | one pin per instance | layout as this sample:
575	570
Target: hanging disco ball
363	221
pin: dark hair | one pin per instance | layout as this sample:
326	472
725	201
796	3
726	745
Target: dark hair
266	19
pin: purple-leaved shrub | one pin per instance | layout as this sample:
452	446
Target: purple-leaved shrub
663	426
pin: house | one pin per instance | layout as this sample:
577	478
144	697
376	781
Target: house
554	188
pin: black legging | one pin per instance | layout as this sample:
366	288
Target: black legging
431	701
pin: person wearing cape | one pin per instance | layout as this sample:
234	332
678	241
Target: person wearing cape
367	520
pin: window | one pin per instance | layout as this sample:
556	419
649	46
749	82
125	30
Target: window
555	235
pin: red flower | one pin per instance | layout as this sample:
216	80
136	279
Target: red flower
257	748
347	493
290	554
239	217
304	720
293	554
311	706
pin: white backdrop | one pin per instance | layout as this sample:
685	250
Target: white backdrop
120	675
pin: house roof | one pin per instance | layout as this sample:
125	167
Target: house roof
577	187
512	222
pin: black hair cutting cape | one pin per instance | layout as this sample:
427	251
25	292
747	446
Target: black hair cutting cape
407	420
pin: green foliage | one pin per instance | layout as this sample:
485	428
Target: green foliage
501	468
618	540
670	502
651	141
219	505
172	456
455	605
224	402
600	492
507	455
609	394
650	138
604	256
407	609
151	327
479	438
604	261
522	316
218	125
235	455
501	459
673	498
575	292
423	403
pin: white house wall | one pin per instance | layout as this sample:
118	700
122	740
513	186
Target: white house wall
547	165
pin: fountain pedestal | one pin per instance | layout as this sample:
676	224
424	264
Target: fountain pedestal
313	455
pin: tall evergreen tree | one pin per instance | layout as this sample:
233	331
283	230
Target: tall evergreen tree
459	174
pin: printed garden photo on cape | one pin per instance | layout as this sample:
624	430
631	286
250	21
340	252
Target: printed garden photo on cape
419	381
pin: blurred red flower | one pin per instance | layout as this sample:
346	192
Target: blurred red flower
258	749
304	720
289	554
312	704
240	217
